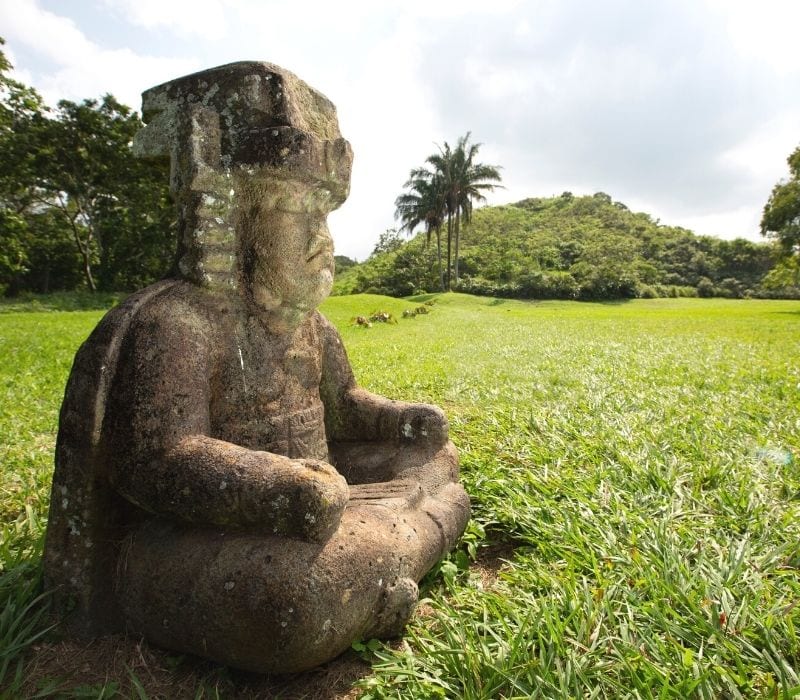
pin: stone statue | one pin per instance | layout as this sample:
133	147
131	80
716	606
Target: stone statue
222	485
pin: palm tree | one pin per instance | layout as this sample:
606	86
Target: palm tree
466	181
448	189
423	204
442	163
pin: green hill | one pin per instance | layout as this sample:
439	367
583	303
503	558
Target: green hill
570	247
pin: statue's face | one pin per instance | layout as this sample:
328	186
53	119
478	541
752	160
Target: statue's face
289	255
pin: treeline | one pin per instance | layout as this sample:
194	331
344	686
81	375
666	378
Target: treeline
571	247
77	210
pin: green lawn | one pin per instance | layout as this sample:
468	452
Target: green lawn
637	464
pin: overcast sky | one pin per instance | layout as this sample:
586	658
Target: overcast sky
684	109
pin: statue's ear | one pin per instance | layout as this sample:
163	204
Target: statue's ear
189	136
196	151
155	140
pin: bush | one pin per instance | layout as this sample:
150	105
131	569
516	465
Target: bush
486	288
705	288
532	285
548	285
731	288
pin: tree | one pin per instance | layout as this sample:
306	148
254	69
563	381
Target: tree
68	177
21	110
388	242
470	181
781	218
13	255
442	178
447	189
584	247
423	204
343	263
115	206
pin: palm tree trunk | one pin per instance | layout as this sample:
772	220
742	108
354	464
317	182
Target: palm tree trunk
449	239
455	269
439	256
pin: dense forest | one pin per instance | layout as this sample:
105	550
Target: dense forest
571	247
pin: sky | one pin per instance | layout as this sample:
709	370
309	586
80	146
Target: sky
685	109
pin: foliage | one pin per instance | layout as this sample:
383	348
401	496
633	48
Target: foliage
75	205
421	310
424	203
591	247
343	263
388	242
781	218
784	277
382	317
408	268
374	317
79	300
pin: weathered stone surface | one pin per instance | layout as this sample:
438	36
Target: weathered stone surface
222	486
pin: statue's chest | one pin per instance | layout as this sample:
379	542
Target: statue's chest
266	394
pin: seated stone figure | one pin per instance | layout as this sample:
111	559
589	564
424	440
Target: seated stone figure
222	486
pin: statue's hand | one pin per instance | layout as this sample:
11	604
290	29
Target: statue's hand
319	499
423	423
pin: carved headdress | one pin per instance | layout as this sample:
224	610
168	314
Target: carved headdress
229	127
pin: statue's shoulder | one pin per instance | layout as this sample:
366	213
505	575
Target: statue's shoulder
80	477
164	303
121	316
170	306
322	325
101	347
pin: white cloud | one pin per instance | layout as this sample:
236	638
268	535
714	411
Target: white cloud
741	222
53	36
648	101
81	68
204	18
19	73
764	31
762	154
392	129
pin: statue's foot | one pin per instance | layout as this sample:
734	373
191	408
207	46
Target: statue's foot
399	600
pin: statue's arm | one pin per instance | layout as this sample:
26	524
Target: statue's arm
354	414
165	461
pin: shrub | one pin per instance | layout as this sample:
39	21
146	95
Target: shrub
705	288
646	291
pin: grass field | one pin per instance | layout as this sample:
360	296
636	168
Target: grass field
635	476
